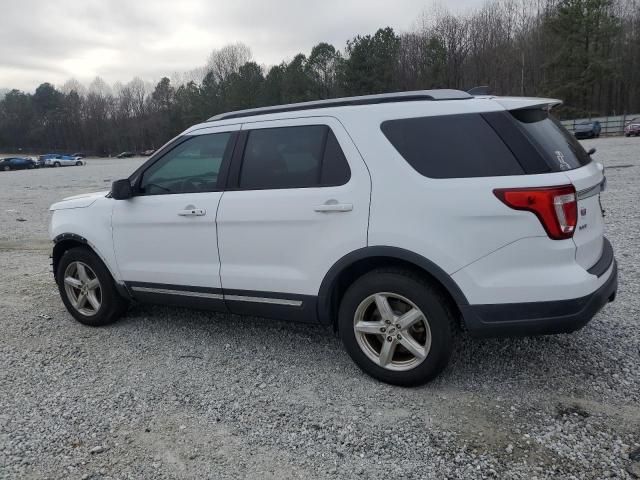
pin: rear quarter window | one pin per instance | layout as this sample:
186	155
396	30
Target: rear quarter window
561	149
451	146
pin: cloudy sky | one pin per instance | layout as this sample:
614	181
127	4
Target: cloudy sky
45	40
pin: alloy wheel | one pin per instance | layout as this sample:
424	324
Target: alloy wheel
83	288
392	331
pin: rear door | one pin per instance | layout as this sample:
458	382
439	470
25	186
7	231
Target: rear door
296	202
565	154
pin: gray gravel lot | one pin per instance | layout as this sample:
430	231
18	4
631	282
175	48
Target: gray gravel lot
171	393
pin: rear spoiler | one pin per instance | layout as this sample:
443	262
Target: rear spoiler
519	103
515	103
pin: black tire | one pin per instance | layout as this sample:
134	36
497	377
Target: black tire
56	164
112	307
429	299
78	164
6	168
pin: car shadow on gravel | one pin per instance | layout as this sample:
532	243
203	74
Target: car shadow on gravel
549	363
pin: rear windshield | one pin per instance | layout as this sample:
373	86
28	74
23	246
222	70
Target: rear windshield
553	141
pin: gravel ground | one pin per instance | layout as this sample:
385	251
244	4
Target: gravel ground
171	393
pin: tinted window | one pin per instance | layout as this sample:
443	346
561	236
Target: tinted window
292	157
555	143
191	167
335	168
452	146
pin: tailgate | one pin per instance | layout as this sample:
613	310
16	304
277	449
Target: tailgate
589	233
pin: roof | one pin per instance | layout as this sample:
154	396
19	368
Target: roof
418	95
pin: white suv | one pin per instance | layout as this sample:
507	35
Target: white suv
395	218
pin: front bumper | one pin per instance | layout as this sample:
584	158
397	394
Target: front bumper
539	318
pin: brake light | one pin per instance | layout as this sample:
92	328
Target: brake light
555	207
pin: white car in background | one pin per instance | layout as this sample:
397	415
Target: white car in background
63	161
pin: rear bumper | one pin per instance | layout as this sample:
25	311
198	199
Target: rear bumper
539	318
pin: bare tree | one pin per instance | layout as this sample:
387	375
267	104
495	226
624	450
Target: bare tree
227	60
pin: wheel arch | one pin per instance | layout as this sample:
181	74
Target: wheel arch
357	263
67	241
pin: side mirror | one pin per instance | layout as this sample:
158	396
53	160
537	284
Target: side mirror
591	151
121	189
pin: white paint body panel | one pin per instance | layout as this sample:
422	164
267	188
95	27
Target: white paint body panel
92	222
78	201
531	269
156	245
588	236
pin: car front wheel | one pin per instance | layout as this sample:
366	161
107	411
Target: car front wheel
87	288
6	168
56	164
397	327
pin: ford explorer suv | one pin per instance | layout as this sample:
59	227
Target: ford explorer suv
398	219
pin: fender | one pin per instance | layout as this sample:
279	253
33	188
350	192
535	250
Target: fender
326	287
80	239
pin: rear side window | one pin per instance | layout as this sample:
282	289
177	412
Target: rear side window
451	146
553	141
293	157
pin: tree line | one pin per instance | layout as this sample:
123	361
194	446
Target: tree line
585	52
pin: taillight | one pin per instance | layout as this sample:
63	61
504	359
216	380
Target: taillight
555	207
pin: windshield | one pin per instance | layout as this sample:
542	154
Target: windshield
555	143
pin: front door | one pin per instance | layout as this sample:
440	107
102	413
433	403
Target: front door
165	236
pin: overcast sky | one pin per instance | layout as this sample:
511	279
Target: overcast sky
45	40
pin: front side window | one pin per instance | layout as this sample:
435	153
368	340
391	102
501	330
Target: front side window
191	167
292	157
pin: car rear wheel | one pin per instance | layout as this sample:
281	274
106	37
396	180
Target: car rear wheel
78	163
396	327
87	288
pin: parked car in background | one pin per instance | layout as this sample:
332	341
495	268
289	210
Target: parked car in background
17	163
147	153
126	155
47	156
632	128
78	155
63	161
587	129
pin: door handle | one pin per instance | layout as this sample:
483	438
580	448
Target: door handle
334	206
192	212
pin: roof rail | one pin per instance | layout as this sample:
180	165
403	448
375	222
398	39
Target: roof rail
432	95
